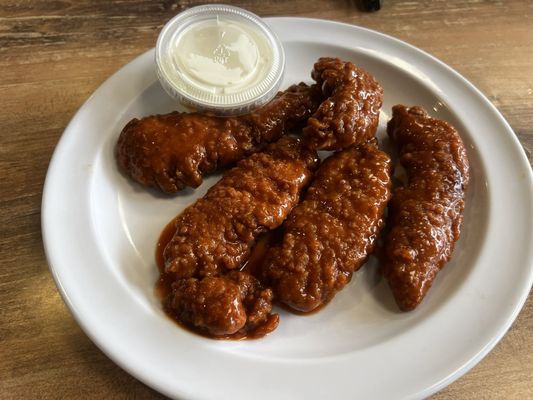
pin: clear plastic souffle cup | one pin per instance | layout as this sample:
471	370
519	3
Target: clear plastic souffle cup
219	59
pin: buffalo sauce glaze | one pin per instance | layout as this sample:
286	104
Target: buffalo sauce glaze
214	236
257	257
163	286
426	214
330	234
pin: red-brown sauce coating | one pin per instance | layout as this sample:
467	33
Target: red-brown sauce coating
213	238
350	113
426	214
163	289
330	234
216	233
173	151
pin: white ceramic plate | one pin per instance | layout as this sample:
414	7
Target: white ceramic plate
100	232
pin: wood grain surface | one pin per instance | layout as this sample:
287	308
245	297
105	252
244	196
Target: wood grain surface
54	54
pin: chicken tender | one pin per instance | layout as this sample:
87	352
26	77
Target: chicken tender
214	236
173	151
426	214
350	113
331	233
231	306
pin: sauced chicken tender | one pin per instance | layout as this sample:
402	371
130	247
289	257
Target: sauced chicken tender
350	113
330	234
213	237
228	305
173	151
215	233
425	215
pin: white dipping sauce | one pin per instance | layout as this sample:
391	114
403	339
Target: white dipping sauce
222	56
219	58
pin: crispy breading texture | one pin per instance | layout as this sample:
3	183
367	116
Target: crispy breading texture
350	113
425	215
172	151
331	233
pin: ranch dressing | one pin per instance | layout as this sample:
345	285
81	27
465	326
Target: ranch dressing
227	61
223	56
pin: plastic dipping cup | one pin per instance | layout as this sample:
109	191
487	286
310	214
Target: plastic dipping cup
220	59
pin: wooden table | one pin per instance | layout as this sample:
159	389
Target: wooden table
53	55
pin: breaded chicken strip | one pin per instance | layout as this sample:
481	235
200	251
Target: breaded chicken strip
331	233
234	305
350	113
425	215
173	151
214	236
